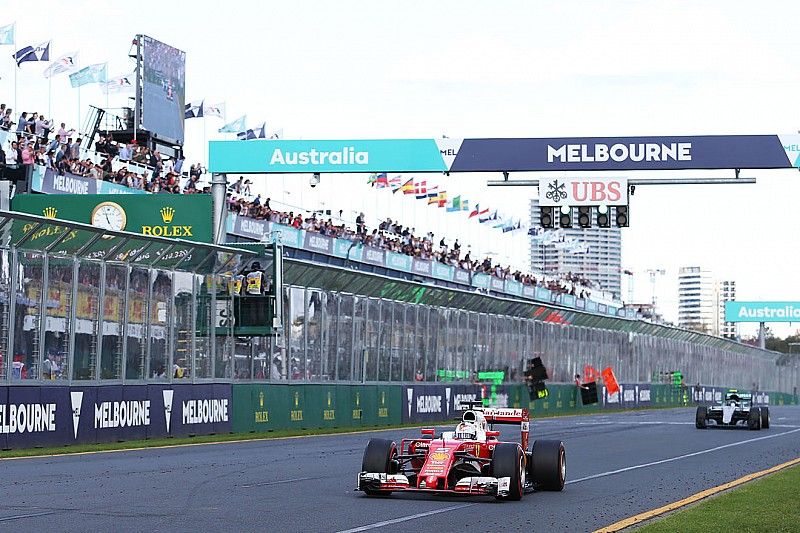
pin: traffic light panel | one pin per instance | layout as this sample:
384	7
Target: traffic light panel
546	217
622	216
585	216
565	218
602	217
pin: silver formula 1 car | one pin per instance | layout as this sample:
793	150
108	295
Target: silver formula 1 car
736	410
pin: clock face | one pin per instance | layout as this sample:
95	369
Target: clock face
109	215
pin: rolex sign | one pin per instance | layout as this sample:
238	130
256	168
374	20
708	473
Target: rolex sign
186	217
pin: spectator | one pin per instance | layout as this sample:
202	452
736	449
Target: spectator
125	153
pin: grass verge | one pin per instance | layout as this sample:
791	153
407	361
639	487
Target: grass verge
237	437
766	504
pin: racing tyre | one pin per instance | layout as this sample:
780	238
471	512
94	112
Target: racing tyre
754	419
764	417
380	456
548	468
700	417
509	461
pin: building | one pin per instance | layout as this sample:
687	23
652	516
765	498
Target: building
724	291
601	264
697	306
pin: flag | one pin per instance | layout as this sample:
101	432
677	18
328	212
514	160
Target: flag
253	133
65	63
7	34
277	134
414	187
216	110
440	199
421	189
511	225
489	218
33	53
432	192
477	212
407	187
395	182
119	84
193	109
92	74
378	180
455	204
234	127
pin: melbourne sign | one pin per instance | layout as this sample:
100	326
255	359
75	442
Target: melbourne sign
762	311
512	155
186	217
583	191
57	415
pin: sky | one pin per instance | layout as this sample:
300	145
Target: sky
412	69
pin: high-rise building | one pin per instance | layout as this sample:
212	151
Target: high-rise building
724	291
697	307
601	263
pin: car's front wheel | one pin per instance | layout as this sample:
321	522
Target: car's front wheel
509	461
380	456
700	417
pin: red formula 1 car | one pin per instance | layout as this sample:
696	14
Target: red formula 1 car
469	460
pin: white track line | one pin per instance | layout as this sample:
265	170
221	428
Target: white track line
684	456
278	482
19	516
404	519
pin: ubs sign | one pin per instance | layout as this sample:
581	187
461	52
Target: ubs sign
583	191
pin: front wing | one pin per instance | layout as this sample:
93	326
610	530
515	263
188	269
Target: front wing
379	482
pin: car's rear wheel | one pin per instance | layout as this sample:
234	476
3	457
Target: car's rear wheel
764	417
700	417
754	418
379	457
548	468
509	461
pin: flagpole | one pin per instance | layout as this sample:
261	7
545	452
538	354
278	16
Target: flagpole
16	67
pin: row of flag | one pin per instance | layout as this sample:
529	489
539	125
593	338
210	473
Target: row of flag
199	109
66	64
436	196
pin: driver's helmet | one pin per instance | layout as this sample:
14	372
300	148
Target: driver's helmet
466	431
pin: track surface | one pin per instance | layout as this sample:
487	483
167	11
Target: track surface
307	484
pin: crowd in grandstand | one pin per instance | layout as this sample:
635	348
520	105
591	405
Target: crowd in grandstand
153	173
394	237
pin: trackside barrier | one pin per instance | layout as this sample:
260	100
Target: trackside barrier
268	407
39	416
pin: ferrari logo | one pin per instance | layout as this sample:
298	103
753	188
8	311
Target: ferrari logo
261	399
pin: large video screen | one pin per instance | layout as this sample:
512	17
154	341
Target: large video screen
163	92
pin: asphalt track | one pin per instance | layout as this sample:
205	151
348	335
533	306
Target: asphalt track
618	465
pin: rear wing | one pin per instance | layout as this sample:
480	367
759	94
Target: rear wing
501	415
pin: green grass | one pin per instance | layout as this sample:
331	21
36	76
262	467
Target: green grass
236	437
766	504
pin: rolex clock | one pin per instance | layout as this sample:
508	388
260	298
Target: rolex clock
109	215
